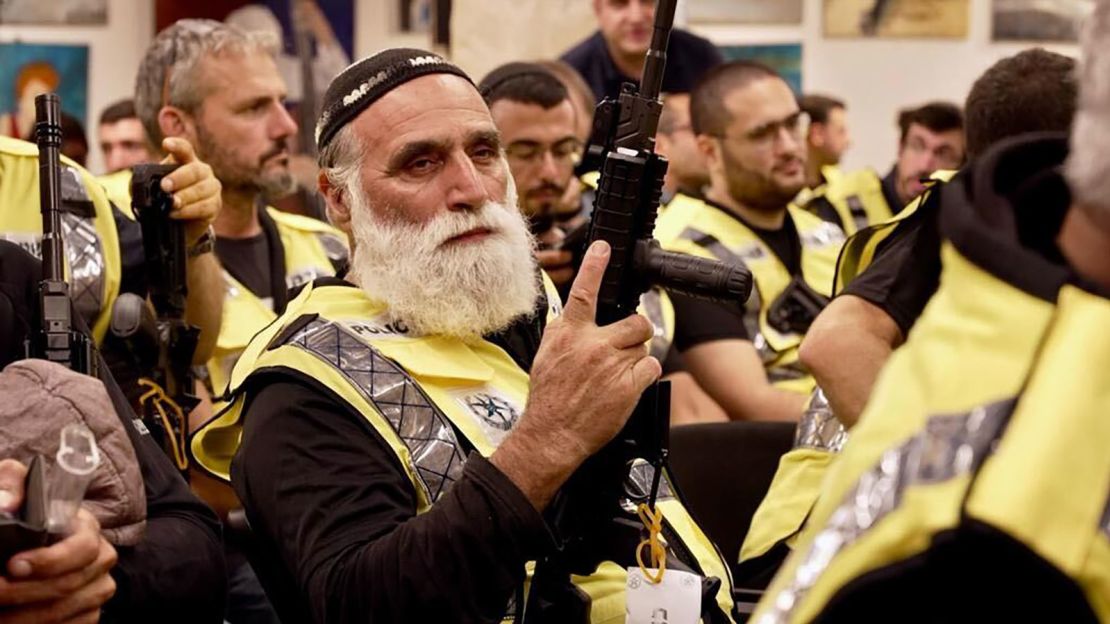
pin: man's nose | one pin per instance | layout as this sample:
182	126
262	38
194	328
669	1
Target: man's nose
467	189
282	123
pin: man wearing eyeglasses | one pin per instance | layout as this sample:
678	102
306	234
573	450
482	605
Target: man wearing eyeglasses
537	121
751	132
932	139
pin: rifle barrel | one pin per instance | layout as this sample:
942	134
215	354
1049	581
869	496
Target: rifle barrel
651	83
48	136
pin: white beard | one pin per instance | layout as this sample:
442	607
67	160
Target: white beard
464	290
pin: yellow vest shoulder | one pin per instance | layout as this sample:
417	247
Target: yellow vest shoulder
305	224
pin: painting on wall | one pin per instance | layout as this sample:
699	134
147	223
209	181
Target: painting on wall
28	70
64	12
747	12
1039	20
785	58
940	19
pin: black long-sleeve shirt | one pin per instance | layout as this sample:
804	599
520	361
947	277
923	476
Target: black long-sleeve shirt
176	573
327	496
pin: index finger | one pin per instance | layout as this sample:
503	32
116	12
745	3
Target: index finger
581	304
179	150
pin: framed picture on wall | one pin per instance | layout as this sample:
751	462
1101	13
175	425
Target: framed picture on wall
60	12
785	58
1038	20
939	19
31	69
745	11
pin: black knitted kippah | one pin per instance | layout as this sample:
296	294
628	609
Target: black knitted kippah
510	71
361	84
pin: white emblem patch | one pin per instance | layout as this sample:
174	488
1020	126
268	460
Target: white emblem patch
495	412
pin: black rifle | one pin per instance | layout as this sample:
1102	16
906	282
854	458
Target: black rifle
589	514
55	339
176	340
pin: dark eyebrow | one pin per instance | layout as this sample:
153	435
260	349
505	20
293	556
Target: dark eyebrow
488	137
410	151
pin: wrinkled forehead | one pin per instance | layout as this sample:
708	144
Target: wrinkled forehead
436	107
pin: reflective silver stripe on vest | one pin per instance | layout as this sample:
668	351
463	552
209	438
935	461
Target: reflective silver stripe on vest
823	235
949	446
639	481
753	251
858	212
334	247
436	454
85	254
653	308
819	429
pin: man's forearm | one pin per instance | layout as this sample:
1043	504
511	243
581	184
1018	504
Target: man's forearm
204	307
848	381
845	349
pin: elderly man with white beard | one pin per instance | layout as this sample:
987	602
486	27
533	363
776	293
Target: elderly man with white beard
401	433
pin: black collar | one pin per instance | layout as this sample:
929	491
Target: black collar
278	289
1005	214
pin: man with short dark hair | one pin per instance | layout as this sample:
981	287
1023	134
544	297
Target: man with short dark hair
675	141
537	121
931	140
615	53
828	137
877	303
975	487
122	140
1033	91
750	132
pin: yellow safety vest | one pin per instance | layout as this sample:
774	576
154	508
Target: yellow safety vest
832	175
91	241
797	482
857	199
446	384
709	232
118	187
859	250
984	413
312	249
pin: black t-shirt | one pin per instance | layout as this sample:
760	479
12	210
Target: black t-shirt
905	272
248	261
698	321
688	57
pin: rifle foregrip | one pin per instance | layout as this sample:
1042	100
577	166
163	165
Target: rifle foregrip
697	277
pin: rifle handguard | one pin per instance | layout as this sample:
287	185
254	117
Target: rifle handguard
693	276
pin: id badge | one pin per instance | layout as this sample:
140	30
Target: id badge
675	600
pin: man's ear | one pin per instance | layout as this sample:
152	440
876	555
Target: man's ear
174	122
817	137
709	148
338	207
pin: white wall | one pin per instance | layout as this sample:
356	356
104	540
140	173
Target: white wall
878	77
114	54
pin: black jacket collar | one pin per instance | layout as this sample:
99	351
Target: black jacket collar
1004	215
